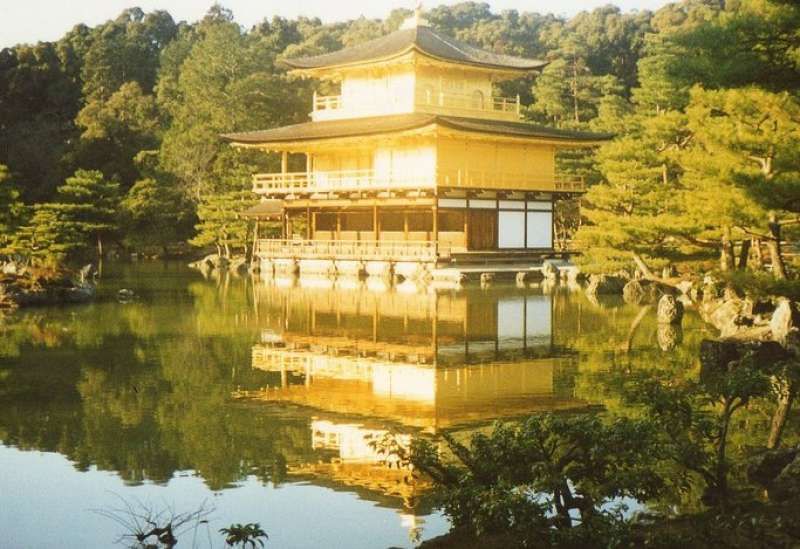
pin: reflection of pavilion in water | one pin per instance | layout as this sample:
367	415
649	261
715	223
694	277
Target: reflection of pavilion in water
370	363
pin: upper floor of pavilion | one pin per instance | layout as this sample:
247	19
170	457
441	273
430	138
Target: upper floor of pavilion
414	70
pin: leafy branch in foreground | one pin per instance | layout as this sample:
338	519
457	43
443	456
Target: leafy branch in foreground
549	480
152	528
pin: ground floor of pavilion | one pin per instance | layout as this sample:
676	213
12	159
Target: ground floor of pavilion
428	228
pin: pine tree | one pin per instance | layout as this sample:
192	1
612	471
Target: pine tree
745	163
221	224
12	210
91	203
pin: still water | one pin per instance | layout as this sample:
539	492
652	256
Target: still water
259	399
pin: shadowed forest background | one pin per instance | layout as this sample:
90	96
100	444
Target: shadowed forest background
111	134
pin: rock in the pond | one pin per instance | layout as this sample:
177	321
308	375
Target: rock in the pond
670	310
238	265
731	315
82	293
639	292
669	336
783	320
574	274
549	270
125	295
601	284
10	268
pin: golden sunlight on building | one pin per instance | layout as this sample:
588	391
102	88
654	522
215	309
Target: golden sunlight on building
415	159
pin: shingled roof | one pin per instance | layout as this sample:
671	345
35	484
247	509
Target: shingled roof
353	127
421	38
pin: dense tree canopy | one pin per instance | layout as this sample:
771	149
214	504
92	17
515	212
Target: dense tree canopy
696	80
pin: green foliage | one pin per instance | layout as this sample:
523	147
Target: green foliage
761	285
637	208
220	223
227	83
51	234
155	215
536	477
702	96
695	418
86	213
116	129
12	210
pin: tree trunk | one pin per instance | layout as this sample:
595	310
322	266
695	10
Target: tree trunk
722	465
774	246
758	259
727	257
744	255
786	391
575	89
99	246
647	274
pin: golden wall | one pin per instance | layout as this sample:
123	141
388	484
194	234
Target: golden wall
470	163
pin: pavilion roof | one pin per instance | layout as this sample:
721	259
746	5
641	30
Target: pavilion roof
377	125
266	209
422	39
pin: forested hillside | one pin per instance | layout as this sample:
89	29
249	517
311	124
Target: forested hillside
111	134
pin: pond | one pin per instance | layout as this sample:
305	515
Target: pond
259	399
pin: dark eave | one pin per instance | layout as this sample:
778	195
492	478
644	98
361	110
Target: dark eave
423	39
374	125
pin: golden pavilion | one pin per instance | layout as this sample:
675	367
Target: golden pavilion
414	161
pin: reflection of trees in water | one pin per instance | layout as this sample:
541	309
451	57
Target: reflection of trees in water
144	389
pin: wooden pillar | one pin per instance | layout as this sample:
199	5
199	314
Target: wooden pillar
405	225
253	257
284	162
308	223
466	228
375	228
435	210
338	226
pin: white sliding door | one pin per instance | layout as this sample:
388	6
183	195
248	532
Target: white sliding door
511	230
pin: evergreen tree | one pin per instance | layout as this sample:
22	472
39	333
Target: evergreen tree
51	235
227	83
12	210
90	203
221	224
746	162
156	214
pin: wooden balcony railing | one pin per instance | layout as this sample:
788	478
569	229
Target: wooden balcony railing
363	180
467	102
333	181
361	250
475	103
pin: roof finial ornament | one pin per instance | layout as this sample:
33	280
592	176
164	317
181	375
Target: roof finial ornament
416	20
